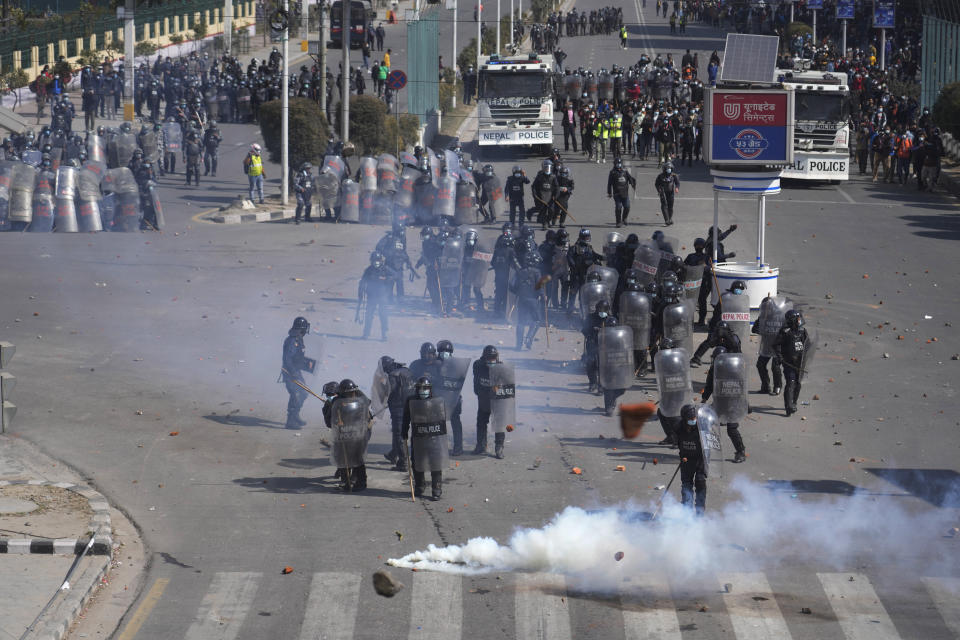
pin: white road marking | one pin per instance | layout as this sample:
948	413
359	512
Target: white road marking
752	607
859	611
224	606
331	612
541	611
649	618
846	196
437	607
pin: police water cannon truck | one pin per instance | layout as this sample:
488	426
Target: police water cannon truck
515	100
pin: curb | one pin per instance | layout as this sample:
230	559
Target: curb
254	216
103	544
54	626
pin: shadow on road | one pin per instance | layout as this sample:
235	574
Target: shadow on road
244	421
939	487
943	227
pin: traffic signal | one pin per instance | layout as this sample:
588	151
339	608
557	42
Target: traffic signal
7	383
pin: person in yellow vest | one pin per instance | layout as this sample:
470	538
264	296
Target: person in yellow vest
616	134
602	133
253	167
386	59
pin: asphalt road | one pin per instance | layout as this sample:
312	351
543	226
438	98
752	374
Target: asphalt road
124	340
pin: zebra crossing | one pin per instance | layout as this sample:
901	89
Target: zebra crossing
546	607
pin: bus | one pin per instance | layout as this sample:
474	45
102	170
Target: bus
361	13
821	137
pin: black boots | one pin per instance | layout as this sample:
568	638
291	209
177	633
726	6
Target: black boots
353	478
498	439
418	483
481	447
457	439
436	484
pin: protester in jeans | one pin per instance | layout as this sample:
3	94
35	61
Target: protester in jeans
253	167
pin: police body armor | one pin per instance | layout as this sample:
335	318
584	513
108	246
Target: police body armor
735	311
646	260
22	181
608	275
770	321
43	202
673	380
590	294
503	397
615	353
444	201
65	214
634	312
450	262
477	264
709	427
349	422
453	373
692	277
678	324
349	201
428	432
730	387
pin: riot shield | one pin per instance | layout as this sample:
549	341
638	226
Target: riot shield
428	431
128	212
96	149
503	401
610	245
43	202
451	262
172	137
591	88
22	181
407	159
367	206
692	277
379	391
32	157
148	143
424	195
65	214
452	161
453	373
616	357
333	165
477	264
493	194
770	321
108	210
678	324
735	311
327	188
590	294
560	269
368	174
673	380
635	313
709	427
572	84
153	202
349	201
465	210
126	145
730	387
88	201
809	350
387	174
608	275
349	421
403	198
605	87
6	173
444	202
646	260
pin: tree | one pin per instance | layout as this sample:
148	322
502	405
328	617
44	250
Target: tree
309	130
946	110
367	116
200	29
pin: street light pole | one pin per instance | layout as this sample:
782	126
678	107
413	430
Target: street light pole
346	39
479	39
323	56
227	25
129	41
285	113
454	103
497	26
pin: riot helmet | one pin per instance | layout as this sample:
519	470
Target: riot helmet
699	244
424	388
547	166
738	287
584	235
719	351
562	236
444	349
667	343
331	389
428	351
488	170
653	289
490	354
594	276
517	171
794	319
602	308
300	324
376	259
348	388
618	164
688	415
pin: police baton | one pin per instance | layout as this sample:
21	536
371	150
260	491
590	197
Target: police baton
301	385
406	457
542	283
565	211
666	490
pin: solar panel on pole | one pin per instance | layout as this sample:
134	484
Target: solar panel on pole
749	58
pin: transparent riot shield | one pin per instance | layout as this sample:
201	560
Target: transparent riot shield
770	320
451	262
428	431
503	403
387	174
608	275
368	174
634	312
678	324
349	422
453	373
465	210
590	294
43	202
616	357
646	259
349	201
477	264
709	427
493	194
692	277
445	199
730	387
65	213
673	380
735	311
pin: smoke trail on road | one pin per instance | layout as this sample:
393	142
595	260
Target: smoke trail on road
759	530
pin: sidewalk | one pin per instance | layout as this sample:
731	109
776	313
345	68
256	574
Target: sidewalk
47	516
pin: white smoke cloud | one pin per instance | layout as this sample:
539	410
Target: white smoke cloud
761	529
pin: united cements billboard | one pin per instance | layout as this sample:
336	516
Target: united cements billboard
749	127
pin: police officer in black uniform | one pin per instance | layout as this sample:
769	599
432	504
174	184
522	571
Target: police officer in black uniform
303	187
529	299
667	185
444	351
706	285
733	428
295	362
211	149
791	345
375	287
481	387
720	336
618	187
544	190
401	386
580	257
562	201
428	364
600	317
693	474
504	259
514	191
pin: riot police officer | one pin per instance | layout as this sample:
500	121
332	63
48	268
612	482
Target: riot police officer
733	426
514	191
424	415
211	149
667	185
191	153
562	201
693	474
350	419
431	248
449	385
374	290
303	187
597	320
400	384
428	365
482	389
618	187
503	260
294	362
793	346
544	190
580	257
530	296
719	336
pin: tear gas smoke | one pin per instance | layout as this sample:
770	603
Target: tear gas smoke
759	530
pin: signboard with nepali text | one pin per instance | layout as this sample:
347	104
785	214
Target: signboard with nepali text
749	127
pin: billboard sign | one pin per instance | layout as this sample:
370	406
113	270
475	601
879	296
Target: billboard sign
845	10
814	4
749	127
883	14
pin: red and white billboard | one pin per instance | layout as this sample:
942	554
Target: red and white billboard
749	126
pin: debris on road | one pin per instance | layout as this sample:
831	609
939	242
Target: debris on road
618	556
385	584
576	471
286	570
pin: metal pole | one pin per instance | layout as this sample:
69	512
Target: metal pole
716	224
129	41
285	114
760	230
323	56
396	97
883	49
227	25
763	232
843	42
455	69
305	25
346	40
814	27
791	10
497	26
479	22
513	43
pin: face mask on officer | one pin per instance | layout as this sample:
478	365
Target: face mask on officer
692	423
444	355
424	394
737	292
602	314
668	170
